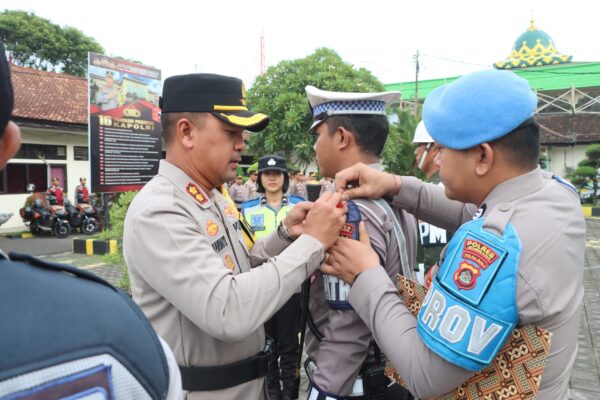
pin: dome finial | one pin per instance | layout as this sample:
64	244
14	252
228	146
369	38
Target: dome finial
532	23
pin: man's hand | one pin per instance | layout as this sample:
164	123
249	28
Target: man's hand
326	218
347	258
294	221
373	184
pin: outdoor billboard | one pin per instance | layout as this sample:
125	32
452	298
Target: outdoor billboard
124	123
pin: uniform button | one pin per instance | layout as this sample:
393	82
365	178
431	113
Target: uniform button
504	206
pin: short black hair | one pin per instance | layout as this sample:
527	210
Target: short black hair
261	189
370	131
168	121
522	145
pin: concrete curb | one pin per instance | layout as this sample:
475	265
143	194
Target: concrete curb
24	235
95	246
589	211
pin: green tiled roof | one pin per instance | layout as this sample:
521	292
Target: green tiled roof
551	77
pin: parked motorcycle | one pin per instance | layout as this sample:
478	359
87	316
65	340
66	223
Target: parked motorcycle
83	217
41	219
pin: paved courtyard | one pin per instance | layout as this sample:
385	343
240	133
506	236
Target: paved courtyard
585	380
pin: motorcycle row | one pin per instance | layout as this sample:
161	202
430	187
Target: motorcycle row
60	220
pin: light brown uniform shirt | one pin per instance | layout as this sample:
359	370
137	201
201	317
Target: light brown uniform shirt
191	275
347	341
239	193
548	219
298	189
251	188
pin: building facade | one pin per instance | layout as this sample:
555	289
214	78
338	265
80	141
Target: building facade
51	110
568	97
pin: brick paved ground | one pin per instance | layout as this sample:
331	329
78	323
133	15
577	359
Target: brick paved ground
585	380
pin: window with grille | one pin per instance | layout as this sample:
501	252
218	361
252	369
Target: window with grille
35	151
80	153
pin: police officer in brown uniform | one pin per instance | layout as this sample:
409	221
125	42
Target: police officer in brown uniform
189	266
351	128
298	186
519	261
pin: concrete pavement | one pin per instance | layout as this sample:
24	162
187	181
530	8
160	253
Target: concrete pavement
585	379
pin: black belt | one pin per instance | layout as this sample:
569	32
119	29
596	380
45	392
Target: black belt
199	379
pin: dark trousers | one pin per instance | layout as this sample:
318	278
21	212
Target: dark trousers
284	327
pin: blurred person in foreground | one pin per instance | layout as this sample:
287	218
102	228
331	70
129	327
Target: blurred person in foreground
65	332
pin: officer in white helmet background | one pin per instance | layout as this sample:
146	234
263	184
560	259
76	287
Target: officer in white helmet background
432	239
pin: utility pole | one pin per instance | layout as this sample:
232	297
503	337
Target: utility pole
262	52
416	57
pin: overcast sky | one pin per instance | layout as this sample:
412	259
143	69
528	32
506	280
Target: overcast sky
453	37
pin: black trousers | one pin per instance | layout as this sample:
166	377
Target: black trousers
284	327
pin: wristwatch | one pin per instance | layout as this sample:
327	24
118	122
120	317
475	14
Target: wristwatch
283	233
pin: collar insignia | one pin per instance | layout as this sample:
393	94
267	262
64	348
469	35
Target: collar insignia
197	193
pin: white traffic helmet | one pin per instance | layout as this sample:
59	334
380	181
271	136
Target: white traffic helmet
421	134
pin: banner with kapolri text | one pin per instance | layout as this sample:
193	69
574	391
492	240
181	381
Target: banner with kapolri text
124	123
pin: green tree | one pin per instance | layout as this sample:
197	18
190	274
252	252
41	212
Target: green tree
36	42
582	176
280	94
399	152
118	211
590	166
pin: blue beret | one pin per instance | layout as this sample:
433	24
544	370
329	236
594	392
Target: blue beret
477	108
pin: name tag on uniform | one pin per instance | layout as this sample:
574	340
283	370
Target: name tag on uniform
336	292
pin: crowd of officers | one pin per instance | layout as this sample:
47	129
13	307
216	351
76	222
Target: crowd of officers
219	279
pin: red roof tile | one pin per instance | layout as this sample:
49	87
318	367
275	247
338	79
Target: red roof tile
49	96
569	129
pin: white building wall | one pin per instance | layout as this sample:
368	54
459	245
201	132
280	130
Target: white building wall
75	170
563	159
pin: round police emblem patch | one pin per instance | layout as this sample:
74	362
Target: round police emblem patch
466	275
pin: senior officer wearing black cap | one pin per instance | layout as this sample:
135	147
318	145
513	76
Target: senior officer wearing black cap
351	128
189	266
66	333
519	261
264	214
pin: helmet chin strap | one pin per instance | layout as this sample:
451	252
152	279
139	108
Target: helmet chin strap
424	156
